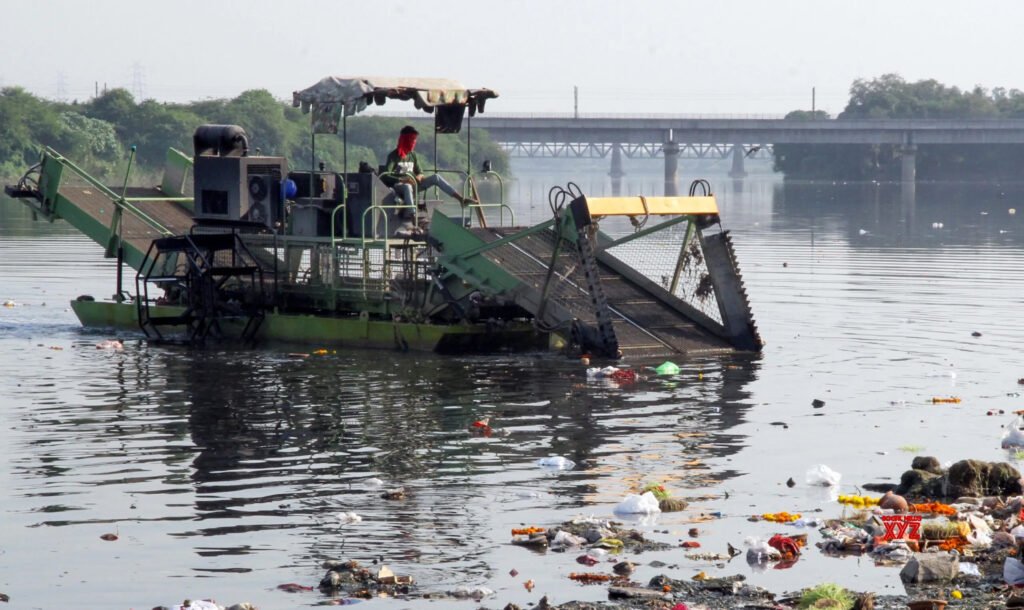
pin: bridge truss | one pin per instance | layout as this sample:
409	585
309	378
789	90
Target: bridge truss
602	150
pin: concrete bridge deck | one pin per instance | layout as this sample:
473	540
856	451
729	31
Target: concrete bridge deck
672	136
660	129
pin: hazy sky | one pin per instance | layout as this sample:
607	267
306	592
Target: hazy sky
626	56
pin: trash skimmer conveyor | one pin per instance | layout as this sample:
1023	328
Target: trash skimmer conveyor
667	288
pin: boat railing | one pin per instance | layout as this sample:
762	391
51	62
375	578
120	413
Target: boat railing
482	206
344	222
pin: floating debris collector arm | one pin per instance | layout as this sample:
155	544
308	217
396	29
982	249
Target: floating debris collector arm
573	279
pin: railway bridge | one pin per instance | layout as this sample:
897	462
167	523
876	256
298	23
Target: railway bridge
672	137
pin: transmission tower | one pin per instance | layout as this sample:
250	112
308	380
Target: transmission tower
62	87
138	81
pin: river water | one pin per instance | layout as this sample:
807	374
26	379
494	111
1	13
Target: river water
223	472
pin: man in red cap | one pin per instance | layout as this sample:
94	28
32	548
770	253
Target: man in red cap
403	174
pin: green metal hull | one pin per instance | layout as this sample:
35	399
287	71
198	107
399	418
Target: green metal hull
354	331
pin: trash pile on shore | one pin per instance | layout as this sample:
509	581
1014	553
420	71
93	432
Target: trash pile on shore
956	534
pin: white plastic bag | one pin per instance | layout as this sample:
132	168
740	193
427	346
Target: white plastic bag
633	504
981	532
896	550
597	372
1013	571
823	476
1013	436
556	463
758	550
348	517
198	604
475	593
970	569
565	540
979	539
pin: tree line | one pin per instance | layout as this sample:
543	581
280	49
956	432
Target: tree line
97	135
891	97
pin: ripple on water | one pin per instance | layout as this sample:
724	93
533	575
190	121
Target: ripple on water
234	464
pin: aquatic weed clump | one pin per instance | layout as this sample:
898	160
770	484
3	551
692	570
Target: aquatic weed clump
659	491
827	595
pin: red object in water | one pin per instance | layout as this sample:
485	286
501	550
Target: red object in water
784	564
293	587
586	560
481	426
690	544
624	375
785	545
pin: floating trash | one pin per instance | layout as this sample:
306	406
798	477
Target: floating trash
349	517
556	463
611	372
634	504
782	517
667	368
823	475
1014	436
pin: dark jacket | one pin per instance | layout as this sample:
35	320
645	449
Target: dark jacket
409	165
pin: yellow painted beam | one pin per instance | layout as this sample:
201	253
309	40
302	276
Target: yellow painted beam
654	206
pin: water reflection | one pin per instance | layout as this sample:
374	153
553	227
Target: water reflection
233	447
876	214
236	463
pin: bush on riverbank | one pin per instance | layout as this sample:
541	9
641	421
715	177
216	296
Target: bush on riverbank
891	97
98	134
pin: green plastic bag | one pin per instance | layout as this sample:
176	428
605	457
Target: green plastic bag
667	368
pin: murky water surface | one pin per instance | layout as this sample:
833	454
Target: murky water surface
223	471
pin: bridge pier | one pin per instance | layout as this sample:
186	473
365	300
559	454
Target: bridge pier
908	173
671	151
908	158
737	171
616	172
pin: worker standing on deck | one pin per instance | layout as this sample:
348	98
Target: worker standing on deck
403	174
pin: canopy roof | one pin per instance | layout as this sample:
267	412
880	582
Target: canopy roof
355	93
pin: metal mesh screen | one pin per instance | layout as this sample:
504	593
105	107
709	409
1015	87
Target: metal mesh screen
656	256
528	259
